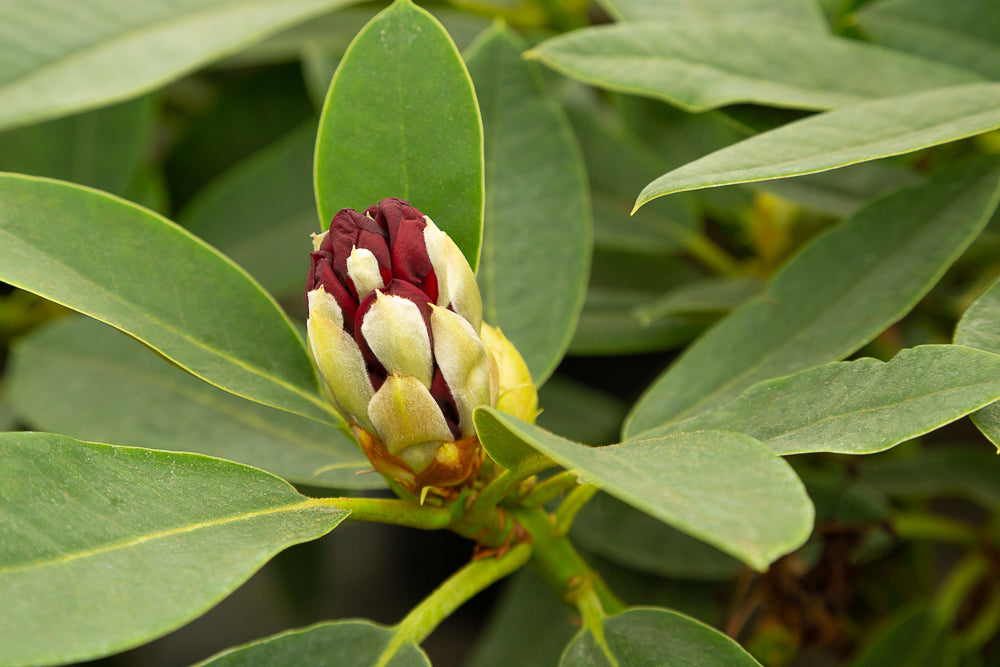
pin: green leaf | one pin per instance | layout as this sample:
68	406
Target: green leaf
648	637
966	34
78	377
530	625
950	471
838	293
347	643
858	407
611	323
401	120
322	43
139	272
702	298
101	148
768	64
537	233
725	489
624	535
104	547
980	328
61	56
261	213
856	133
803	14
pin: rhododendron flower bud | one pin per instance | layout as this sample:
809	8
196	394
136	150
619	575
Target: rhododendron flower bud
516	392
394	327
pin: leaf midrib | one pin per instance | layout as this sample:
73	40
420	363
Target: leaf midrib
195	342
169	532
203	398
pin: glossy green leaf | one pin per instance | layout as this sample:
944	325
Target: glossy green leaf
648	637
101	148
858	407
530	625
322	43
949	471
838	293
537	231
803	14
262	211
620	533
855	133
61	56
964	33
139	272
760	64
345	643
401	120
81	378
723	488
980	328
107	547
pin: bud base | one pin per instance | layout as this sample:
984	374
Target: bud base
455	466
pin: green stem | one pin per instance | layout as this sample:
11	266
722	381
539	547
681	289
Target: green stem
494	492
561	18
984	628
570	507
589	605
710	255
452	594
559	563
960	581
920	526
398	512
550	489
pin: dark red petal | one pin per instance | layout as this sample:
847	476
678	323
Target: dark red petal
350	229
325	277
442	396
414	294
410	261
393	212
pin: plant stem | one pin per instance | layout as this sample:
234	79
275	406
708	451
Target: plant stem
452	594
398	512
559	563
592	611
710	255
984	628
552	488
494	492
570	507
960	581
920	526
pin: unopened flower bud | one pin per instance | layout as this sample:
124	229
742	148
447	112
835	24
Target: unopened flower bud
516	392
394	322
